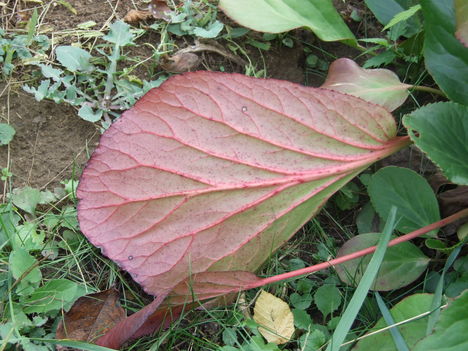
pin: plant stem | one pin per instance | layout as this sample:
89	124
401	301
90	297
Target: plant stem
429	90
342	259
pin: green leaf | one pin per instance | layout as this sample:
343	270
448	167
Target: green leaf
54	295
402	16
26	198
386	10
74	58
440	130
276	16
412	332
327	299
461	16
312	341
50	72
300	301
402	263
20	263
119	34
87	113
446	58
7	133
302	319
409	192
211	32
450	331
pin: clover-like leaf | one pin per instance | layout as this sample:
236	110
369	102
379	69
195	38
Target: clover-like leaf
210	173
380	86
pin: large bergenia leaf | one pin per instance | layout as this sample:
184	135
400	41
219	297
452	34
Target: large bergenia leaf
212	172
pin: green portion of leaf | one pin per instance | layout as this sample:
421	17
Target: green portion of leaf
387	10
54	295
119	34
276	16
461	16
440	130
409	192
211	32
412	332
327	299
300	301
450	331
74	58
7	133
21	262
446	58
402	263
26	198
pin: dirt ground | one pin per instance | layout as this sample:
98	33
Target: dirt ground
52	143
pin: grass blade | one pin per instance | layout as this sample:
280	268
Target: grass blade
398	339
437	301
365	284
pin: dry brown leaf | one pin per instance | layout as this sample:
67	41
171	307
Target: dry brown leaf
136	16
91	316
159	8
181	62
275	317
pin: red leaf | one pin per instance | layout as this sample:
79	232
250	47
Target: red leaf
213	172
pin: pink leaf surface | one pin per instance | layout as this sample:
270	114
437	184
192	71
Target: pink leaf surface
210	173
380	86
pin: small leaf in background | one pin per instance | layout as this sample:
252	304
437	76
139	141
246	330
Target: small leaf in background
440	130
300	301
276	16
328	299
450	331
312	341
26	198
54	295
210	32
402	16
119	34
445	56
402	264
74	58
409	192
302	319
230	336
180	62
367	221
461	17
91	316
462	232
380	86
87	113
387	10
412	332
21	262
7	133
274	317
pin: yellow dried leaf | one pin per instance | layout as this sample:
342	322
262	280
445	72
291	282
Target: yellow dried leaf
275	318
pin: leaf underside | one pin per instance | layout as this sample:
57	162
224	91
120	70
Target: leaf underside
210	173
